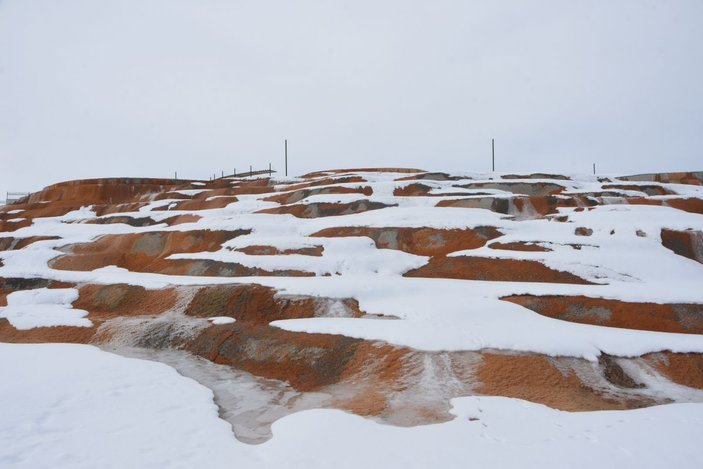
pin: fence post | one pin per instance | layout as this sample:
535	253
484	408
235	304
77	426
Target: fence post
493	154
286	152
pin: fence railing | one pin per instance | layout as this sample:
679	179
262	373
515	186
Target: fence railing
13	197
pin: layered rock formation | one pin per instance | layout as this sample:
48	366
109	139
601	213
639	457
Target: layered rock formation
382	292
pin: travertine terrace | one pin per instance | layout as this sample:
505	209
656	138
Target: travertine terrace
383	292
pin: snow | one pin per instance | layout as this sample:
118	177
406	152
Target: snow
219	320
190	191
117	412
82	213
433	319
43	307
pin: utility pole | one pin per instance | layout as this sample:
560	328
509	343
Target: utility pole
176	175
493	154
251	171
594	168
269	169
286	152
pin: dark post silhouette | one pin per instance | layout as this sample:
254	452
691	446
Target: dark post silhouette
286	153
493	154
594	168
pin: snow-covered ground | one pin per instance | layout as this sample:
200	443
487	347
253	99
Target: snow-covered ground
74	406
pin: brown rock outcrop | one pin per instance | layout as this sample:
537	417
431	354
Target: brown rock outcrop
684	243
671	317
497	270
420	241
316	210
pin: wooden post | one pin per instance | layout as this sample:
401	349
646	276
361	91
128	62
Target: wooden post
594	168
251	171
493	154
269	169
286	152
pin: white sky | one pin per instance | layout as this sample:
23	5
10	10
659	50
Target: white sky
94	88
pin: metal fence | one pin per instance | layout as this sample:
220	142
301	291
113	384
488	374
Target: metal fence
13	197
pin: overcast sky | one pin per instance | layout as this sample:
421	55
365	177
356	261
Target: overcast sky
99	88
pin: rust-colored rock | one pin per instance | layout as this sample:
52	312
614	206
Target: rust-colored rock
539	189
557	177
497	270
259	250
519	246
306	361
694	177
536	378
141	252
316	210
211	268
204	204
423	190
360	170
9	244
420	241
39	335
495	204
648	189
670	317
298	195
682	368
328	181
109	301
259	304
684	243
103	191
430	177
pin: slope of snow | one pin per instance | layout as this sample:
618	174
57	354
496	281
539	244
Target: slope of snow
74	406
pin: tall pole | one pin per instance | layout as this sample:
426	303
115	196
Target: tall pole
286	152
594	168
493	154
